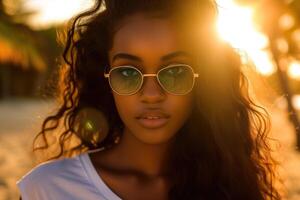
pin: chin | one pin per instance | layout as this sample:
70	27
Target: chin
154	137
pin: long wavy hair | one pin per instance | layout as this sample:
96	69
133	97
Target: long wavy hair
220	153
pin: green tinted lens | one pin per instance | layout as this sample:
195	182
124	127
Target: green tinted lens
125	80
177	79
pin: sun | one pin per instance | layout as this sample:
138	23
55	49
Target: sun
235	25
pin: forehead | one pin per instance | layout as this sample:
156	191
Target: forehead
142	34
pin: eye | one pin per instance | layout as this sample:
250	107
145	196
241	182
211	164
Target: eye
174	71
129	72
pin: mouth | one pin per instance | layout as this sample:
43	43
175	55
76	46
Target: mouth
153	120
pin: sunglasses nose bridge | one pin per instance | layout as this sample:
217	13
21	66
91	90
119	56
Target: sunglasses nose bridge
154	83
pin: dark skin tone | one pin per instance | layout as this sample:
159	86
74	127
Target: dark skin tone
137	167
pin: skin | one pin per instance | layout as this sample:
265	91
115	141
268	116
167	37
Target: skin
137	167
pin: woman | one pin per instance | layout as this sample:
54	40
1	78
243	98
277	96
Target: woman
160	108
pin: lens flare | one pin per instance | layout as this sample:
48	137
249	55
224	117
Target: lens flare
286	22
91	125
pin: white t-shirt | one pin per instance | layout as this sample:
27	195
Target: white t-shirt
65	179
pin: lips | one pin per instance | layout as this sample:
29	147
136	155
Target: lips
152	120
151	115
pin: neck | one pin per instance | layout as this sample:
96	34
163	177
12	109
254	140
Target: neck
149	159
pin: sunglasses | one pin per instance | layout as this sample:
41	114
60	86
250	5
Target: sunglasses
177	79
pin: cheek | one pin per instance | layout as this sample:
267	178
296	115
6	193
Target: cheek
126	107
181	108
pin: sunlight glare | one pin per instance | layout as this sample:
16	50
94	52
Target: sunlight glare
296	101
51	12
235	25
294	70
263	61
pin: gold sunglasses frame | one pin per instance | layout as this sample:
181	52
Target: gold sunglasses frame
107	75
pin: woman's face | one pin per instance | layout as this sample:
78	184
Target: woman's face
152	115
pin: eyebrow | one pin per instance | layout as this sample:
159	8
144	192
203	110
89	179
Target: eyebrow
136	58
174	55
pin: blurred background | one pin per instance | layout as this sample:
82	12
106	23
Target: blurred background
265	32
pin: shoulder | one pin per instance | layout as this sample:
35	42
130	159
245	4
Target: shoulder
51	175
52	169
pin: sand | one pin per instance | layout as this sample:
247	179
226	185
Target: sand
20	119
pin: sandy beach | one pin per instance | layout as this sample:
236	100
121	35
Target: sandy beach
20	120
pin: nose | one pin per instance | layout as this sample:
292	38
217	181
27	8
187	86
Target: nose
151	91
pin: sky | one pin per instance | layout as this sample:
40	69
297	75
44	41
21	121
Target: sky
51	12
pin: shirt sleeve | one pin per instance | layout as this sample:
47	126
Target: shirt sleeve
25	190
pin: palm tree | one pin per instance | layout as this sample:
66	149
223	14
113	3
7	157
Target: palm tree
18	43
22	46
